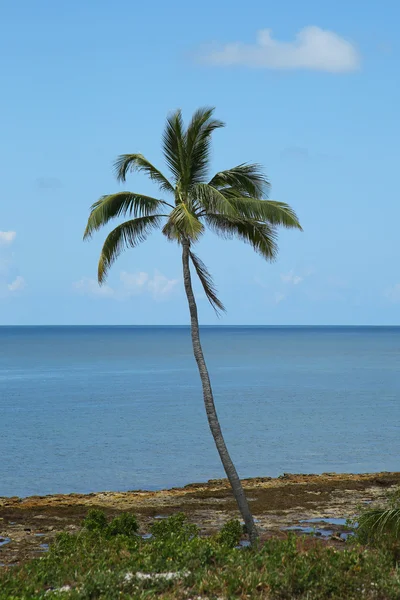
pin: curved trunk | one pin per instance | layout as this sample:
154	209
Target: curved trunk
212	417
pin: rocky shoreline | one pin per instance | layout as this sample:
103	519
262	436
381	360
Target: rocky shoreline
28	525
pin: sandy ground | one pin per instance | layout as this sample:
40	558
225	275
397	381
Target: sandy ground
28	525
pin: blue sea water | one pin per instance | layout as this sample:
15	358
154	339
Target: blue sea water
119	408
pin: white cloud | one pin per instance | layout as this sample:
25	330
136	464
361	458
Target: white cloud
7	270
160	286
313	48
134	283
287	286
92	288
393	293
131	284
7	237
17	285
291	278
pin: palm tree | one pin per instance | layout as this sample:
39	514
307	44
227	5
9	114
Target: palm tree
231	204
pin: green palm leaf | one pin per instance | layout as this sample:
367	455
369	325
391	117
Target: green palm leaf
377	522
207	283
279	213
270	211
115	205
261	236
137	162
174	145
211	200
127	235
198	144
231	203
246	179
183	224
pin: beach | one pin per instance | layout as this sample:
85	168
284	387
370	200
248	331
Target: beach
325	501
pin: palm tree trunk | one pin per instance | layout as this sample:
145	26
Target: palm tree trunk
212	417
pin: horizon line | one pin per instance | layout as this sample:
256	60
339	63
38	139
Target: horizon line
186	325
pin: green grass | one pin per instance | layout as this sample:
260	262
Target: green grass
110	561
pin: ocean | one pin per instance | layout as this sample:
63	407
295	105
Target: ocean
87	409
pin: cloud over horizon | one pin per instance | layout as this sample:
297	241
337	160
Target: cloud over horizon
17	285
313	49
131	284
292	278
8	287
7	237
10	282
288	284
91	287
159	286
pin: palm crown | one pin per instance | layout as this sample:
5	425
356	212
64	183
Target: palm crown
232	203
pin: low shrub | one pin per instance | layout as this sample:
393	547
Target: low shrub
230	534
124	524
109	563
95	520
174	528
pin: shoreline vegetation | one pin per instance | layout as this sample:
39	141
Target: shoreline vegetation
188	542
277	503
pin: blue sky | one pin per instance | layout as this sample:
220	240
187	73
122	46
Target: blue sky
316	101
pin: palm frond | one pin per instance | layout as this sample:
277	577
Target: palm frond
174	145
212	200
127	235
261	236
198	144
375	523
120	204
279	213
228	202
269	211
207	283
244	179
183	223
137	162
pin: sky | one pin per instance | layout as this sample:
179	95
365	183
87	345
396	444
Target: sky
311	90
